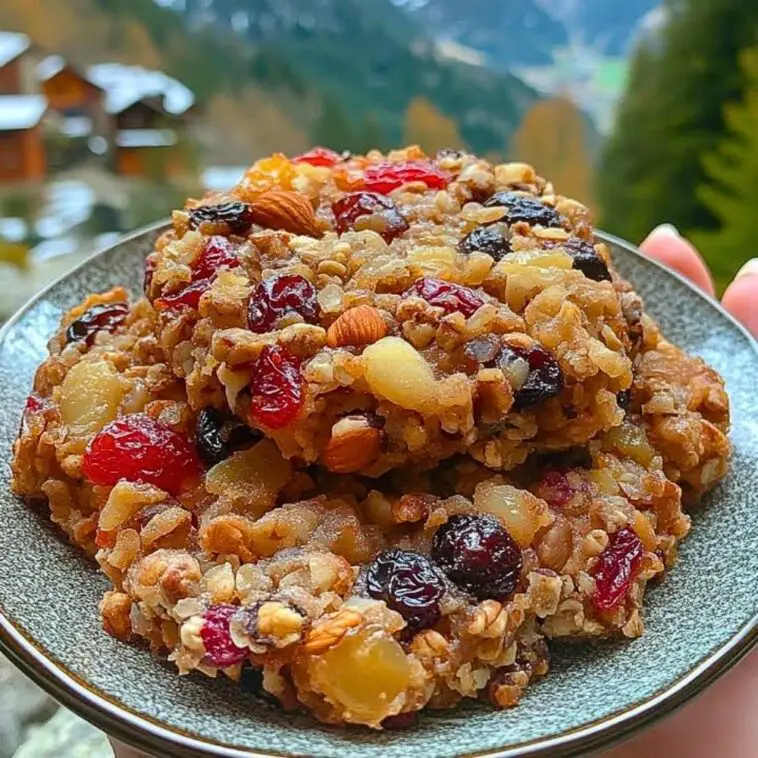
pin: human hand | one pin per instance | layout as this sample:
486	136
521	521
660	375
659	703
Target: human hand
721	720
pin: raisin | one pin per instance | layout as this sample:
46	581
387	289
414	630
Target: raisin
486	239
543	376
616	567
217	435
251	680
369	210
217	639
523	208
410	584
624	399
139	449
277	388
320	156
283	295
447	295
388	176
237	216
478	554
106	316
587	260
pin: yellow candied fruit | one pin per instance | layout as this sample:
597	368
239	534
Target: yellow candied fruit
90	396
274	172
365	673
632	442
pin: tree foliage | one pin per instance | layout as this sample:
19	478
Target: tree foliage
427	126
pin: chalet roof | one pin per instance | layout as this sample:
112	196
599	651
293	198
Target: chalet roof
21	111
126	85
12	45
48	67
146	138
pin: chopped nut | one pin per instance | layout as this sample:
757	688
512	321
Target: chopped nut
330	630
490	619
289	211
280	622
355	442
362	325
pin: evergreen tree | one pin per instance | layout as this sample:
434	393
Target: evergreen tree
370	135
428	127
333	127
673	115
732	195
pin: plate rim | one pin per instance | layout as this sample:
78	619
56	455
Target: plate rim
152	736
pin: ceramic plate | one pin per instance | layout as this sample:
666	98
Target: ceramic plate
699	622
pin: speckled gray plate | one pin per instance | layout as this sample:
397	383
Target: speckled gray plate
48	593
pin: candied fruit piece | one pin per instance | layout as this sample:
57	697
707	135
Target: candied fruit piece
534	372
410	584
523	208
105	316
387	176
616	567
478	554
365	672
279	296
491	240
217	639
139	449
90	396
360	211
447	295
277	388
237	216
319	156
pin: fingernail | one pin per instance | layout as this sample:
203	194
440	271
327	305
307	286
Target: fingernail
668	229
748	269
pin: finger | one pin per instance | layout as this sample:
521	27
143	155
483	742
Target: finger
122	751
741	296
667	246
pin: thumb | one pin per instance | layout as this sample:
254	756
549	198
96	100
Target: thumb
741	296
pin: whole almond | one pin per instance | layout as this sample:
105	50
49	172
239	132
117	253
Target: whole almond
288	211
355	443
362	325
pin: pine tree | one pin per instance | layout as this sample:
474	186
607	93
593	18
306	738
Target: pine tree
427	126
552	138
333	127
732	194
370	135
672	115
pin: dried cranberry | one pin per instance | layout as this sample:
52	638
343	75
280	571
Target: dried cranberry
447	295
616	567
217	435
219	646
544	377
319	156
277	388
34	403
400	721
587	260
523	208
386	177
139	449
486	239
218	252
104	316
150	264
282	295
189	296
410	584
555	488
478	554
375	211
237	216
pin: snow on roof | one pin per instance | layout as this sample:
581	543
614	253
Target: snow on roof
76	126
125	85
48	67
21	111
12	45
146	138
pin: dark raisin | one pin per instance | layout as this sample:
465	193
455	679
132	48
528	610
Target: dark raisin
401	721
544	378
449	296
251	680
283	295
410	584
218	435
624	399
478	554
523	208
587	260
237	216
486	239
106	316
369	210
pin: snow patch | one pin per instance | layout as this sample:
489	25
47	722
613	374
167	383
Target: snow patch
12	45
21	111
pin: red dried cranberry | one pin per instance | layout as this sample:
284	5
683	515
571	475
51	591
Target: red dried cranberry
523	208
139	449
386	177
280	296
447	295
104	316
478	554
375	212
544	378
587	260
616	567
217	435
219	646
277	388
319	156
34	403
218	252
555	488
189	296
237	216
410	584
486	239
